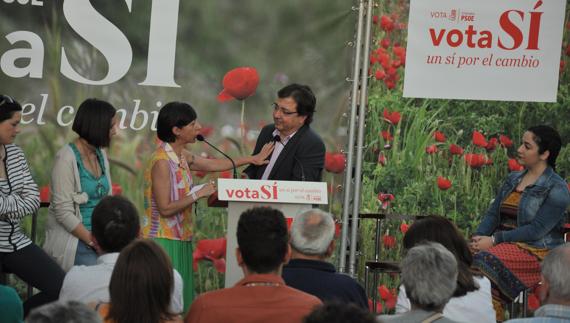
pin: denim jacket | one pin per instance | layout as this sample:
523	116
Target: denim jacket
541	211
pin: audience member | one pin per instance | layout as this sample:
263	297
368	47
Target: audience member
554	293
64	312
336	312
141	286
19	197
471	301
80	178
429	274
11	305
312	242
115	224
261	296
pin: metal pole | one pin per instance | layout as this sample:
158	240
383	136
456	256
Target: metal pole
350	144
360	142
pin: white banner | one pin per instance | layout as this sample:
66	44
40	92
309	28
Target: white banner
272	191
484	50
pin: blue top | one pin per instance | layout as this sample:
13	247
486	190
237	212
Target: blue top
549	313
11	305
96	188
540	216
319	278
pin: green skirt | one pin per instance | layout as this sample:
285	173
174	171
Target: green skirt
180	253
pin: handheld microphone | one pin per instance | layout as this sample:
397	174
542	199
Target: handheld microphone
277	139
199	137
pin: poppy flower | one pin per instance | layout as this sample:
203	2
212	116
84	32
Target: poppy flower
505	141
384	292
225	174
432	149
386	23
213	250
371	307
404	227
387	135
337	229
239	83
385	42
397	63
381	159
514	166
392	117
335	162
380	74
390	85
389	241
443	183
439	136
400	52
116	189
375	19
475	160
385	199
492	144
373	60
455	150
44	193
479	139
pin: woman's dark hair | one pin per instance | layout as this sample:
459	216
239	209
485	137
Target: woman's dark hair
141	284
547	139
439	229
8	107
115	223
173	114
93	122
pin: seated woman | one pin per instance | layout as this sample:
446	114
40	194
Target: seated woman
471	301
19	197
80	178
140	287
525	220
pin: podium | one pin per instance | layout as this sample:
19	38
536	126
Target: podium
290	197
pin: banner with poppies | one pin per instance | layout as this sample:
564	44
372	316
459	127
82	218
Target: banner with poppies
484	50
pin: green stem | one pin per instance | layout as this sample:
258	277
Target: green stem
242	123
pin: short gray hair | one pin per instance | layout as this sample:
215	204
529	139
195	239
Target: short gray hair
555	270
312	232
429	274
64	312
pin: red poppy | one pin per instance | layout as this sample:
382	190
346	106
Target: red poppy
385	43
335	162
384	292
373	60
375	19
239	83
439	136
389	84
386	23
432	149
492	144
475	160
44	193
389	241
392	117
381	159
116	189
514	166
400	52
397	63
385	198
455	150
225	174
479	139
505	141
387	135
371	307
443	183
380	74
337	229
404	227
213	250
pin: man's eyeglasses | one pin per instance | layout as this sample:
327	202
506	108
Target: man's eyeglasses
276	108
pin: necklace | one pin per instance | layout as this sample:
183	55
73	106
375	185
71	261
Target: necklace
252	284
88	154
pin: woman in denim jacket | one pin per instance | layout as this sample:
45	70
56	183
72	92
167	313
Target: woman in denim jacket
525	220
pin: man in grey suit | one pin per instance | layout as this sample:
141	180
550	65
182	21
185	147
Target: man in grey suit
429	274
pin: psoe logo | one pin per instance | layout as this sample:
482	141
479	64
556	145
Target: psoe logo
467	17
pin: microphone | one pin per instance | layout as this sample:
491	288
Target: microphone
276	139
199	137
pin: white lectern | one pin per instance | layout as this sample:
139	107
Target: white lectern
289	197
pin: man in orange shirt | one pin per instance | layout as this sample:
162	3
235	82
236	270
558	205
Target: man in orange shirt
262	296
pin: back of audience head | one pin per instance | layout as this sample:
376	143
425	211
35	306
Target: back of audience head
336	312
115	223
441	230
556	276
429	274
141	284
263	240
312	233
63	312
